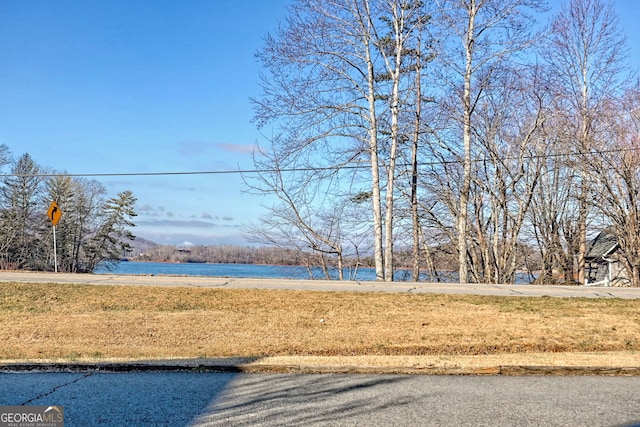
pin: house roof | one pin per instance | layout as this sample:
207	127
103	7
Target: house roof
604	244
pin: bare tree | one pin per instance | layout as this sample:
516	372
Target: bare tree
335	87
343	90
507	130
552	210
320	93
485	34
307	215
6	232
585	56
615	171
5	155
400	49
80	200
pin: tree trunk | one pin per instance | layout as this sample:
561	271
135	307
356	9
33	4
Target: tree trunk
466	178
375	167
415	218
388	264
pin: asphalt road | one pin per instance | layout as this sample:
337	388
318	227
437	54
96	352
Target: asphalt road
240	399
323	285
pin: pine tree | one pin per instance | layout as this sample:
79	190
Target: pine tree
110	240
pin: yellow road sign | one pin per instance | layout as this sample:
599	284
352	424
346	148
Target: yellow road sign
54	213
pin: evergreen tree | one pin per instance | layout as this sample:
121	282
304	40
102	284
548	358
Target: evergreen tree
22	229
91	230
110	241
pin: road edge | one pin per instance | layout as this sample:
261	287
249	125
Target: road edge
167	366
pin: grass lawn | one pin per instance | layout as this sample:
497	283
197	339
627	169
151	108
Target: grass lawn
92	322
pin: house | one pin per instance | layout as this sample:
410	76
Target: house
602	266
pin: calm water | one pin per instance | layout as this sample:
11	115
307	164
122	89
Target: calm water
229	270
257	271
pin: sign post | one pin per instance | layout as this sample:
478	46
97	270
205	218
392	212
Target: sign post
54	213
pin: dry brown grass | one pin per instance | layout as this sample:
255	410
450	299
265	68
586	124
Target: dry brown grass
64	321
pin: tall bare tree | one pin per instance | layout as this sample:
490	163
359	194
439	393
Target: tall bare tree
507	130
615	173
421	57
552	210
480	37
585	56
320	95
400	47
334	88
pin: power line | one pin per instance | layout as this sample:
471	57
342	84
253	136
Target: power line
218	172
115	174
306	169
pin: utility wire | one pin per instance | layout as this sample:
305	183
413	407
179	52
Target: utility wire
308	169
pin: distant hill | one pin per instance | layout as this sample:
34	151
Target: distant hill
141	245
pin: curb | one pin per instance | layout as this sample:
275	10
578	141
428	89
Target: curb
507	370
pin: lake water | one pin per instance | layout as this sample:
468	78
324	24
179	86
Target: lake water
229	270
244	270
259	271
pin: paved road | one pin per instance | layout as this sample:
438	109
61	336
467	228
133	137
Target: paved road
225	399
323	285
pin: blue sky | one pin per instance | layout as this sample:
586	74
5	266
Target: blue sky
137	86
123	86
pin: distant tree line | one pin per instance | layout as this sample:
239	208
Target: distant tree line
91	230
454	133
227	254
144	250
